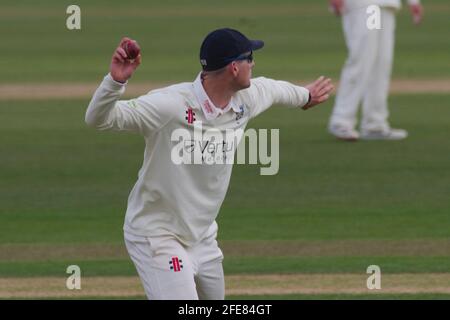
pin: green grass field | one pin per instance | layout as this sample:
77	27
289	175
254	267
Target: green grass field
65	185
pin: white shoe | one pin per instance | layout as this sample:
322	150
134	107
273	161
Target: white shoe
386	134
344	133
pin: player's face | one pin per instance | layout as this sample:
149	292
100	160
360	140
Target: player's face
245	65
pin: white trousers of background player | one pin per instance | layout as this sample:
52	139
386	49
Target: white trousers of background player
366	74
197	273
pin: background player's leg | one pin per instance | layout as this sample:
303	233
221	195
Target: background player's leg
163	266
375	105
361	44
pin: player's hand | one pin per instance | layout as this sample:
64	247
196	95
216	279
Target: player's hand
320	91
121	68
337	6
416	13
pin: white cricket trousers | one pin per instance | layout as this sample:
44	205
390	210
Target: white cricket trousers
170	271
366	74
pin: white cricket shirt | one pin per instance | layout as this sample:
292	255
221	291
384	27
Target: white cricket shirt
182	200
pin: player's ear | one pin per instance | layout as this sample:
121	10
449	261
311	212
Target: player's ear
234	68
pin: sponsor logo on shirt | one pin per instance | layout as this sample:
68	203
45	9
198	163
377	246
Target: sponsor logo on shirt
211	151
213	146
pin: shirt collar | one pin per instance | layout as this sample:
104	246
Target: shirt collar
209	109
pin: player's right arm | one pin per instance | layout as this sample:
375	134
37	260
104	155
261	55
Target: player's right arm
143	115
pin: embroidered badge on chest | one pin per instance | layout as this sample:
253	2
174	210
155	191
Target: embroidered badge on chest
240	114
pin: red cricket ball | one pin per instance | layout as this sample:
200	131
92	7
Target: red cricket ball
132	49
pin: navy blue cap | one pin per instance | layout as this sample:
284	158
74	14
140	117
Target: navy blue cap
221	46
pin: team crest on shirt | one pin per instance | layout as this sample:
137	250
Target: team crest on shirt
176	264
240	114
190	115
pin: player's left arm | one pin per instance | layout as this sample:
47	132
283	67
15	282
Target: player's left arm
265	92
